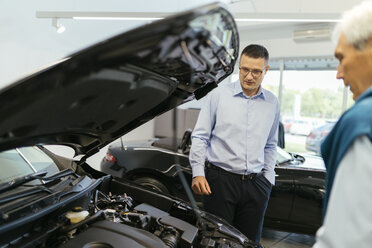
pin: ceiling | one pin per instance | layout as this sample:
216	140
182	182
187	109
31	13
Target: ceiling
28	42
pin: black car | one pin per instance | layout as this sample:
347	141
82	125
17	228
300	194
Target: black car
86	101
296	199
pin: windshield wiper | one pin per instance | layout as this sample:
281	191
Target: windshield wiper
24	193
287	160
34	176
32	190
21	180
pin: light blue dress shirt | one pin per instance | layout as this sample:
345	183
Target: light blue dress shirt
236	132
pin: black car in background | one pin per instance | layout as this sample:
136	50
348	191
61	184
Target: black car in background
85	102
296	200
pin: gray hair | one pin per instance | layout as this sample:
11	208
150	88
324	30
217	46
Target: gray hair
356	25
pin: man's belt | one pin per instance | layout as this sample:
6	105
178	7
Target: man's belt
249	176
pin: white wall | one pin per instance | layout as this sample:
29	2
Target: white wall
278	36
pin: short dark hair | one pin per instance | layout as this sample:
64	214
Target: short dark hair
256	51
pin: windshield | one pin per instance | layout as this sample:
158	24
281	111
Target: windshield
23	161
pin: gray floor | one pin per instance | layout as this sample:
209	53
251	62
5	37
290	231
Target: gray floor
276	239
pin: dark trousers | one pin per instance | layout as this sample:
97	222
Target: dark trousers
240	201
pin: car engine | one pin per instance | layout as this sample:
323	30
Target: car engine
78	211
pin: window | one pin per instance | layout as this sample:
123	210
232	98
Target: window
309	99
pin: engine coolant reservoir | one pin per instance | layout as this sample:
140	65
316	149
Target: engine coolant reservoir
76	217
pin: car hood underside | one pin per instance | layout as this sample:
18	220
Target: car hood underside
94	96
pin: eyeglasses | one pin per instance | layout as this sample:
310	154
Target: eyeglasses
255	73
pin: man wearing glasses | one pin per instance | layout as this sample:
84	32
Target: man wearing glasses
233	151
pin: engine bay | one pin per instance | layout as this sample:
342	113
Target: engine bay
79	211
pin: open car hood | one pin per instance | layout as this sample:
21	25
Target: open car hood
94	96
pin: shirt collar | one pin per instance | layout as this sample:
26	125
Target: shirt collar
239	91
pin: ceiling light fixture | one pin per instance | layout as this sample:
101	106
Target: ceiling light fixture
150	16
117	18
284	20
126	16
60	28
